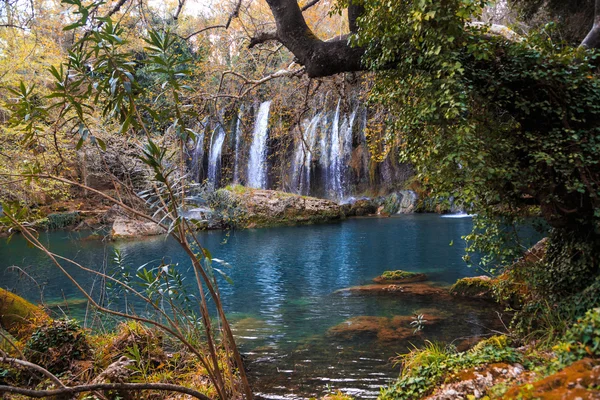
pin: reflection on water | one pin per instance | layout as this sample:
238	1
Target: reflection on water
282	303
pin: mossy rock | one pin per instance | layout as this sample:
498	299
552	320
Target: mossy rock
400	276
479	287
17	315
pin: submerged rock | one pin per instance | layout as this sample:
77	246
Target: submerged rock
124	228
385	329
400	276
419	289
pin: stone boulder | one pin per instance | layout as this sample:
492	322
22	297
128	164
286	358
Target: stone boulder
479	287
402	202
270	208
361	207
124	228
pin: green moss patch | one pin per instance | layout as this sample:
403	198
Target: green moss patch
400	276
480	287
17	314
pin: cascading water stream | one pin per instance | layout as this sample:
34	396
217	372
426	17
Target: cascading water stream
238	134
214	155
257	161
334	179
300	174
197	158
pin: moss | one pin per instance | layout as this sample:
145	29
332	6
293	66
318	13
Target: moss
238	189
480	287
400	276
579	380
17	315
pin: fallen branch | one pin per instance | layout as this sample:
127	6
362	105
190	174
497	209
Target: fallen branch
35	367
102	387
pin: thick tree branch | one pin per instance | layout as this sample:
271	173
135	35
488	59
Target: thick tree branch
354	11
101	387
592	40
262	37
320	58
309	5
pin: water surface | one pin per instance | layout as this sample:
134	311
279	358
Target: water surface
283	301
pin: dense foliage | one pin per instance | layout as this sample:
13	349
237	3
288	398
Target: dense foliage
507	125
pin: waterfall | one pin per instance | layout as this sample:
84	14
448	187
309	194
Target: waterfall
300	175
197	158
214	155
236	165
346	136
257	162
334	170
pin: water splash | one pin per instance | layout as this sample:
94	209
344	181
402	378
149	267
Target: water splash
214	155
257	162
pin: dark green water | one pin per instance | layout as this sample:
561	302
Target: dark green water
283	299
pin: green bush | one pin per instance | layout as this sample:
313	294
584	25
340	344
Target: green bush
56	344
582	340
61	220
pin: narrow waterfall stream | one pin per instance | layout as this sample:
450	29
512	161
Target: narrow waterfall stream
214	155
257	162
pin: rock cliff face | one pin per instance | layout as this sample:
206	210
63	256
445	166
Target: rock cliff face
270	208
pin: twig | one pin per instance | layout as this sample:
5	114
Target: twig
13	345
234	14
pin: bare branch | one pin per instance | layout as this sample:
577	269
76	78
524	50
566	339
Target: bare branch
234	14
262	37
202	30
13	26
103	386
282	73
180	4
309	5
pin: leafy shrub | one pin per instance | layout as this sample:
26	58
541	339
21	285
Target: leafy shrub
425	368
61	220
582	340
227	207
56	344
